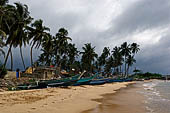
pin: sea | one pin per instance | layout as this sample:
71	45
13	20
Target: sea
144	97
157	95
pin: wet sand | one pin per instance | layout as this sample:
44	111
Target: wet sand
125	100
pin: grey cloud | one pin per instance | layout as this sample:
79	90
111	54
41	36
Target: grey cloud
136	18
155	57
142	15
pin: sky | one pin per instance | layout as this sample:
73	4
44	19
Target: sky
109	23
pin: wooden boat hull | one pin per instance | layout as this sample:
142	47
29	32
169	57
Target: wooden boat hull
97	82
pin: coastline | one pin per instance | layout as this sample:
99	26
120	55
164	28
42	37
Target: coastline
125	100
74	99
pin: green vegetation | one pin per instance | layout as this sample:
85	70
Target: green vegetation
18	29
147	76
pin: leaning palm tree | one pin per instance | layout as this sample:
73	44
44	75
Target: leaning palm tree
16	29
88	56
125	52
2	44
23	19
7	20
37	32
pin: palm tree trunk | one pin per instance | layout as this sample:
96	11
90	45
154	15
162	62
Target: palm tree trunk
11	60
7	55
125	66
127	70
31	58
120	68
22	58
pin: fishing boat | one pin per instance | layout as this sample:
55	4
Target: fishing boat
65	82
49	83
97	82
85	81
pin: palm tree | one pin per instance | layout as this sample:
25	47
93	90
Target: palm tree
37	32
125	52
102	59
17	36
23	19
3	2
72	54
2	44
130	61
88	56
134	48
47	48
7	20
61	46
117	55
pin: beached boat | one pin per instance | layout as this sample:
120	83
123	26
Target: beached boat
49	83
97	82
85	81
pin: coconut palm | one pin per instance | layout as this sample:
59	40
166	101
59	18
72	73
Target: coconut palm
61	45
37	32
72	54
125	52
134	48
88	56
110	63
47	49
130	61
7	13
117	55
102	59
3	2
23	19
17	30
2	44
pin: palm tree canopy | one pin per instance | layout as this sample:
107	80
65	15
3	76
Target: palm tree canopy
134	48
37	32
125	49
3	2
102	59
88	55
117	55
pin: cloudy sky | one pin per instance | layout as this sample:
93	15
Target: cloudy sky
110	23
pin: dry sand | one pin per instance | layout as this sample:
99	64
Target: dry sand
74	99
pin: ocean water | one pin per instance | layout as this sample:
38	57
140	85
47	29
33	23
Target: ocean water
157	95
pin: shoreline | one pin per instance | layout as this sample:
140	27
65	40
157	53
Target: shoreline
74	99
125	100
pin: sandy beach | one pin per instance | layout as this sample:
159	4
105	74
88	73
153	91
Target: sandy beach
125	100
73	99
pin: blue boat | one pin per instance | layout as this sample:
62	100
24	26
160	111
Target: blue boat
97	82
85	81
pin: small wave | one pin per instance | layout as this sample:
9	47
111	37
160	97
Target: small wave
149	109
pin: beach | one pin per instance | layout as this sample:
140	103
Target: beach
74	99
125	100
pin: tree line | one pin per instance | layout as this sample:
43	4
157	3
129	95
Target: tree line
18	29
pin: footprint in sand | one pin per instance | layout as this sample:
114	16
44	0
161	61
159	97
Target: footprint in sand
33	108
